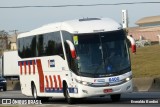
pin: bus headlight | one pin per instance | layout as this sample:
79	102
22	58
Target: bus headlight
128	78
83	82
78	81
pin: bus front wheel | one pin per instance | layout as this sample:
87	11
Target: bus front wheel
68	98
115	97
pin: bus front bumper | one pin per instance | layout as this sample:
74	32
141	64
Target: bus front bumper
83	91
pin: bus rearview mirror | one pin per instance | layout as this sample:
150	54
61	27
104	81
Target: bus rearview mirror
72	49
133	44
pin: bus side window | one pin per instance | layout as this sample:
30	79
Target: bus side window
50	44
27	47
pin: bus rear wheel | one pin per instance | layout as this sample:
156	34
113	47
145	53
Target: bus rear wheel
34	92
35	96
115	97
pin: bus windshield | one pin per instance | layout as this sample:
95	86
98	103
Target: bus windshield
102	54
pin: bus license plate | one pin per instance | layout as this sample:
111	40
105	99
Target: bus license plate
107	90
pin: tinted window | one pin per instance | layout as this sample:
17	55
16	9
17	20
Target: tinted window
67	36
27	47
41	45
50	44
20	47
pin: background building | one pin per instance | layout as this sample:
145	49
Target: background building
7	42
149	21
148	28
12	42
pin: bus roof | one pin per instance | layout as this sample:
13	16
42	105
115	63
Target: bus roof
86	25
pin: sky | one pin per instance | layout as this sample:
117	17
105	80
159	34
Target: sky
26	19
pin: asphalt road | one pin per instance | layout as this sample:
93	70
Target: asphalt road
138	99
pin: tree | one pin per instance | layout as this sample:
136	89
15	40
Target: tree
3	40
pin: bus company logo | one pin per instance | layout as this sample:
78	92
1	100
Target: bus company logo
51	63
99	80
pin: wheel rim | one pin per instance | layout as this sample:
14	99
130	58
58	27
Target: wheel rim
67	93
35	93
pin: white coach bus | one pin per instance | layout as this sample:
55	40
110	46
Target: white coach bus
75	59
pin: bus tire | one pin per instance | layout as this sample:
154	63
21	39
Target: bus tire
115	97
36	97
67	97
34	92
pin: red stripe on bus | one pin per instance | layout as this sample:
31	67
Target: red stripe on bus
50	78
33	63
47	84
20	63
25	72
60	82
41	75
29	67
55	81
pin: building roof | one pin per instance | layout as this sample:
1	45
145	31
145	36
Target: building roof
144	29
146	20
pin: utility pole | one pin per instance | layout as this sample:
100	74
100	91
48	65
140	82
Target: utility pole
15	32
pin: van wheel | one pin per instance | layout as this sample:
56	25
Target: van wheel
68	98
116	97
